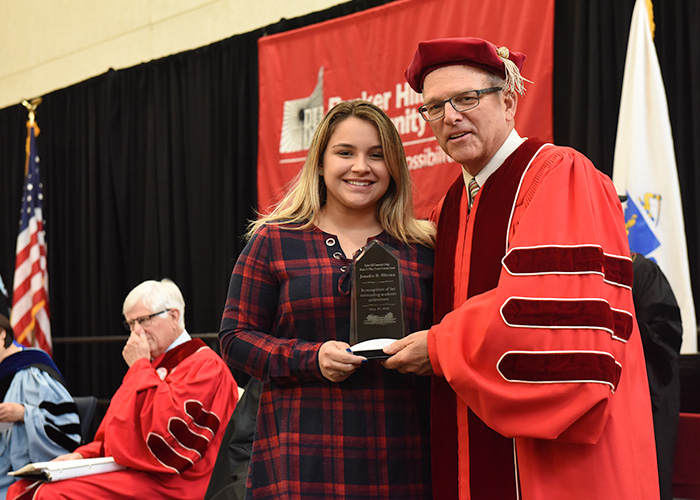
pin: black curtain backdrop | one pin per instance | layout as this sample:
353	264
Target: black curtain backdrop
150	172
590	43
678	46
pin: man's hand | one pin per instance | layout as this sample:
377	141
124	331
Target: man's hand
136	348
410	354
336	362
11	412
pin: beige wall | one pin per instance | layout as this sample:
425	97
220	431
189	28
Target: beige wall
50	44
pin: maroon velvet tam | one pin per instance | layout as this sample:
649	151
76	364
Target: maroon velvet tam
433	54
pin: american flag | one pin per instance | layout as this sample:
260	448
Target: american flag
30	297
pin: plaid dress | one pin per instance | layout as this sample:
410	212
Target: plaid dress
364	438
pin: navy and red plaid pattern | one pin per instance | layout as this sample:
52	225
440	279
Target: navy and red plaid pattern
364	438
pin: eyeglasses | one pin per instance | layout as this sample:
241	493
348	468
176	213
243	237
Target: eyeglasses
461	102
144	321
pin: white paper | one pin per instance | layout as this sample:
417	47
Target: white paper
58	470
372	345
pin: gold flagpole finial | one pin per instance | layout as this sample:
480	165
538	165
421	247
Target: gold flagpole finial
31	126
31	107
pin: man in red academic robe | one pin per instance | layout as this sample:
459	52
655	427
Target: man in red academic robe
539	371
166	421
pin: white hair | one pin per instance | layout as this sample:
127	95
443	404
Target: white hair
157	296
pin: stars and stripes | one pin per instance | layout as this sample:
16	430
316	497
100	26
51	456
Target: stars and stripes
30	298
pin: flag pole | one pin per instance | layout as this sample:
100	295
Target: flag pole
31	124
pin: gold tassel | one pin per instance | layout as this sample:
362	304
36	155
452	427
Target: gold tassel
514	80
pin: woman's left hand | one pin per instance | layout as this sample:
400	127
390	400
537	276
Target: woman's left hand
337	362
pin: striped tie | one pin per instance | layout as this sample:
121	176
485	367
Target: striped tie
473	189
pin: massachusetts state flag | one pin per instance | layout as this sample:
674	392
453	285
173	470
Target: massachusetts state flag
645	169
30	297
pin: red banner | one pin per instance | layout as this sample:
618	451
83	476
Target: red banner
304	72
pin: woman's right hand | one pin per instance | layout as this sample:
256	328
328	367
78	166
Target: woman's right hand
337	362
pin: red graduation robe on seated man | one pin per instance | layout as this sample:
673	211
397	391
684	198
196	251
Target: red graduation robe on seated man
165	424
541	343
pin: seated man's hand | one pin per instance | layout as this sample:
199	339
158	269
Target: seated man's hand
68	456
136	348
11	412
410	354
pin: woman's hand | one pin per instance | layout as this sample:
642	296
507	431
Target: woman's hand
337	362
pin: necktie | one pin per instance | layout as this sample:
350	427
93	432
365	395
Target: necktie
473	189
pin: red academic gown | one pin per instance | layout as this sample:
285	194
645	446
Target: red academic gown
550	358
165	424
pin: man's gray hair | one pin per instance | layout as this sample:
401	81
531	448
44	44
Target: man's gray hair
157	296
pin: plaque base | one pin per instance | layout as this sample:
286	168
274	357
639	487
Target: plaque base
372	349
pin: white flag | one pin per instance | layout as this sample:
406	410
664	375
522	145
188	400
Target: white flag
644	168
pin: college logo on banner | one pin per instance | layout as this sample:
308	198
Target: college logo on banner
300	118
305	72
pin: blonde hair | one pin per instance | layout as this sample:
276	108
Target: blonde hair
307	192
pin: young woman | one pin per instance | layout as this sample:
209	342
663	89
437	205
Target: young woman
332	425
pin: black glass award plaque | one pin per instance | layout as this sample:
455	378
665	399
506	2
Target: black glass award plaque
377	317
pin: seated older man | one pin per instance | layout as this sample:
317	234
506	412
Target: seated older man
166	421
